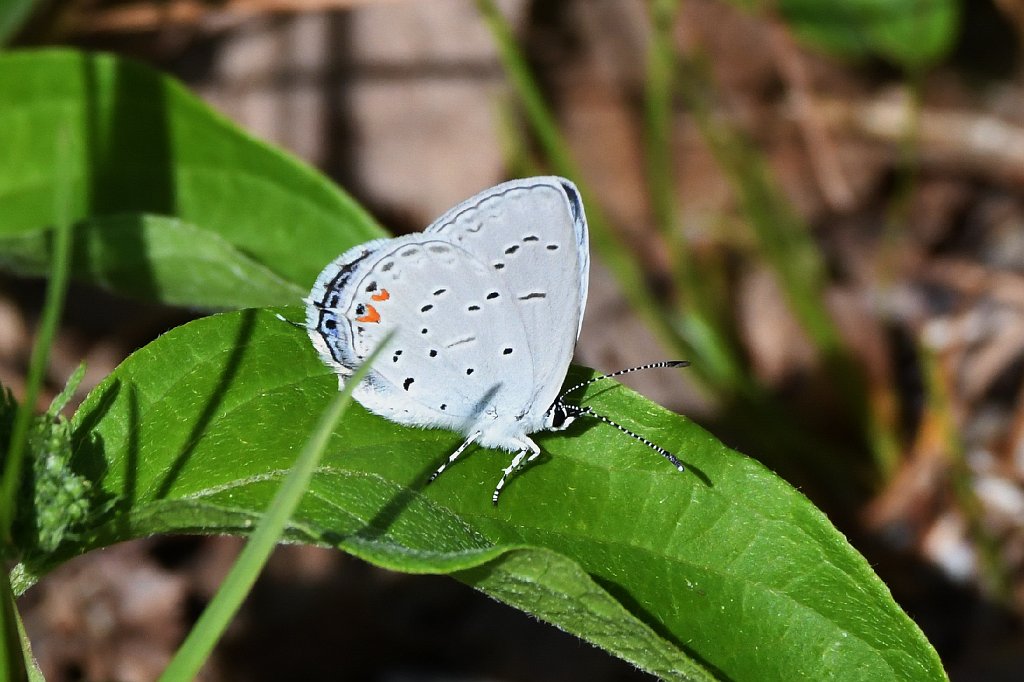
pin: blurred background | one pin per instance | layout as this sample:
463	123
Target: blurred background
821	207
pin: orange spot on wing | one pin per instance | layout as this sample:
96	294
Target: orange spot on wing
371	315
382	296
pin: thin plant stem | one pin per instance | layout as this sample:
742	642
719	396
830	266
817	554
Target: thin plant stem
661	67
12	665
699	325
52	309
785	243
615	254
14	654
884	434
939	403
782	239
218	614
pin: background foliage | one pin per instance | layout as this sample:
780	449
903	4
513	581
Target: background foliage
727	573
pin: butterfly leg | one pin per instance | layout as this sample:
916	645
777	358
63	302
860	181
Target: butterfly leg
529	447
454	456
291	322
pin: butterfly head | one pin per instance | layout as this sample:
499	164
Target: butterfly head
560	415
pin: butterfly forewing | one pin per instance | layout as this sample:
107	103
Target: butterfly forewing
532	235
456	348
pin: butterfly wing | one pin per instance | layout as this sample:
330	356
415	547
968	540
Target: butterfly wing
532	234
458	352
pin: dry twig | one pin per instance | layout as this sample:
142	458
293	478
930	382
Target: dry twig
821	150
150	16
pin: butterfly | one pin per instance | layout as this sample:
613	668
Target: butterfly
485	307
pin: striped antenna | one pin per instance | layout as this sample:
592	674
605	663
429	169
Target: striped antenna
579	411
653	365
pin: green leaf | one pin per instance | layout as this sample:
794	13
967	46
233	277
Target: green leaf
214	620
912	33
55	501
724	568
156	258
13	15
141	146
14	655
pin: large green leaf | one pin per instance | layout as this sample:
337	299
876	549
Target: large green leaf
726	567
157	258
141	145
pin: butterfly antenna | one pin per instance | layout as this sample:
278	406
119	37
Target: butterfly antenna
652	365
657	448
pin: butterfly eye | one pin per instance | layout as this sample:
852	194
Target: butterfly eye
558	417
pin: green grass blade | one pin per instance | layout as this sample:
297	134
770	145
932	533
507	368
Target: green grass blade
661	67
784	241
16	659
614	253
12	655
13	665
698	324
222	608
53	306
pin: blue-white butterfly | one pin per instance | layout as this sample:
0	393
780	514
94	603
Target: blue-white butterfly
486	305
